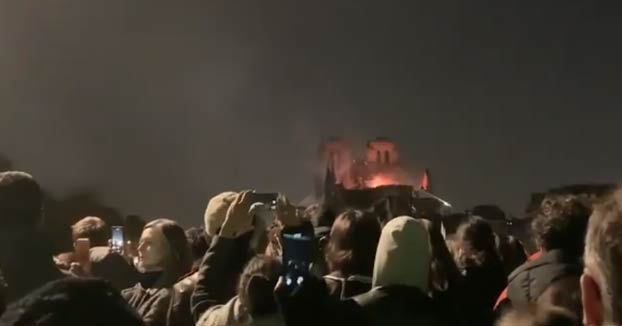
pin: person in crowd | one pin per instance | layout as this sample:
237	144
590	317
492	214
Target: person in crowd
199	244
400	286
350	253
164	257
25	258
104	262
230	228
539	315
401	278
446	280
553	278
132	229
182	290
601	282
511	251
72	302
254	304
484	274
219	269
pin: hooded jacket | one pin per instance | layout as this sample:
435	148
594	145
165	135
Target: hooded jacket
401	277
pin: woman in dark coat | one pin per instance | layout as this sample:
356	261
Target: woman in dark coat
164	258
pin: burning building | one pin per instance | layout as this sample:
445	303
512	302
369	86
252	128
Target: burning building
344	179
379	166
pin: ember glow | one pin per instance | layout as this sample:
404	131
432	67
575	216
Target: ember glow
381	180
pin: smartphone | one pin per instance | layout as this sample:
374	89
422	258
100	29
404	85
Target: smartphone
268	198
117	241
82	248
298	250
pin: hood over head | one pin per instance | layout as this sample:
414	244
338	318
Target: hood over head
403	255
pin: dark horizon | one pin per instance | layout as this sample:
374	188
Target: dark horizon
159	106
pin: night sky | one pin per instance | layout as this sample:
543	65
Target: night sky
158	105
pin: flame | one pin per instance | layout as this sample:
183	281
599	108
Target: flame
381	180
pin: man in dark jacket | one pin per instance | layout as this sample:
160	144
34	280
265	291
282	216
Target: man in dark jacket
25	258
553	278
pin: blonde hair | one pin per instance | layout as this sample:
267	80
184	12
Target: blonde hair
603	255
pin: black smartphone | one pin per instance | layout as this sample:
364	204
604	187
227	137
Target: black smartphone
298	248
117	241
268	198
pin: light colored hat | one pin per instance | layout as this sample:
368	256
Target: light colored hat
216	212
403	255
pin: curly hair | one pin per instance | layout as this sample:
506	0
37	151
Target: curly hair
561	223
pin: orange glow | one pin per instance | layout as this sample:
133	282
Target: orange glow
381	180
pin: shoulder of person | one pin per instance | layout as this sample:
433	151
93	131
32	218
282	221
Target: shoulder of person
230	314
187	284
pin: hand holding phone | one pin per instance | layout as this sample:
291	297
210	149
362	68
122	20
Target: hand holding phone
117	243
238	221
298	249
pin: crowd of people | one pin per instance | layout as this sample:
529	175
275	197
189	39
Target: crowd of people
356	269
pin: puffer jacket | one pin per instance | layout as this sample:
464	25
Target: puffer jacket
528	282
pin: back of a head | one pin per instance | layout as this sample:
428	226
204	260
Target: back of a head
93	228
216	212
353	242
72	302
603	256
560	223
21	200
476	243
511	252
403	255
133	226
256	285
180	260
199	242
539	315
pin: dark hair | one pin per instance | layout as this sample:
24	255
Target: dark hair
511	252
476	243
133	227
353	241
21	200
180	260
199	243
256	286
72	302
319	215
93	228
561	223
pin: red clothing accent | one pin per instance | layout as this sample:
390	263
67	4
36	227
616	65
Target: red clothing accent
504	293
